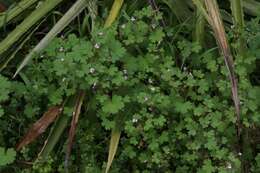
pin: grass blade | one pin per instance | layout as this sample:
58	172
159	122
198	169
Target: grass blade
54	136
220	35
113	12
179	8
114	141
116	132
73	12
201	8
199	33
15	11
6	62
237	12
252	7
28	22
238	20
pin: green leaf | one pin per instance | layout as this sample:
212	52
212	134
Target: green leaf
4	89
114	141
207	167
7	156
157	36
113	106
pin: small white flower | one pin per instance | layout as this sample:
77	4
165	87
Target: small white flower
94	85
73	113
153	25
63	79
168	70
132	19
229	166
146	99
62	59
190	74
92	70
125	71
240	154
123	26
42	56
125	77
100	33
185	68
134	120
61	49
152	89
150	81
241	102
97	46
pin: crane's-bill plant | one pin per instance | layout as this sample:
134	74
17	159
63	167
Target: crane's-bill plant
149	81
71	14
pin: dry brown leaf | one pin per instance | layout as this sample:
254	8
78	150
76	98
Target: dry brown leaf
220	35
2	8
74	122
39	126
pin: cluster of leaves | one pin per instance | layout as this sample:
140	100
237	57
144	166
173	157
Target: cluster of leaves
176	112
7	156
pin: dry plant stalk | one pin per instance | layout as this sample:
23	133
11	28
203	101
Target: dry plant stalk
39	126
217	25
74	122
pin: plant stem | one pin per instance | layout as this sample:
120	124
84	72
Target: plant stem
113	12
54	136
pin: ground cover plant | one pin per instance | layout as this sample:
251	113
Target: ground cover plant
130	86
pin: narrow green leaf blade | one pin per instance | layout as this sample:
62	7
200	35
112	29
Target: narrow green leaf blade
114	141
28	22
73	12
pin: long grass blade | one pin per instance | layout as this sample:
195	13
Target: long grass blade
200	6
54	136
252	7
113	12
73	12
199	33
220	35
116	132
28	22
114	141
6	62
237	12
239	23
179	8
8	15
